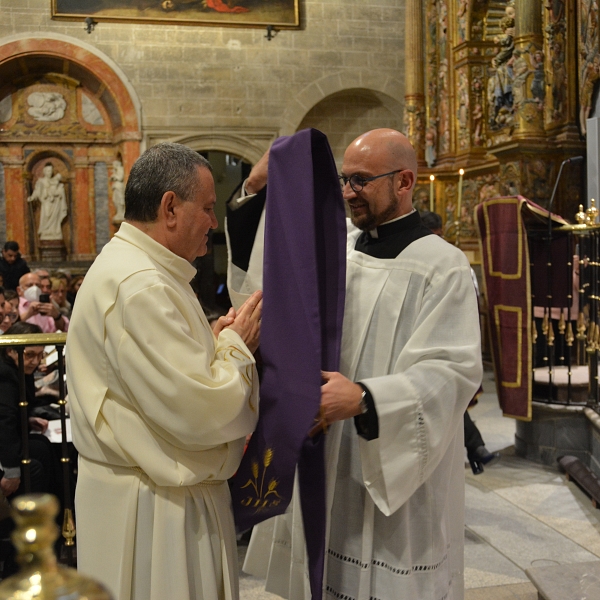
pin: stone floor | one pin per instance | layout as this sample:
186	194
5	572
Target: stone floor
518	515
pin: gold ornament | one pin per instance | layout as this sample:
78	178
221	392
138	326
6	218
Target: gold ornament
40	576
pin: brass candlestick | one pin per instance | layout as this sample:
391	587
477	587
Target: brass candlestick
40	576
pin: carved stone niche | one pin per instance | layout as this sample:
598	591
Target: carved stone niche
48	206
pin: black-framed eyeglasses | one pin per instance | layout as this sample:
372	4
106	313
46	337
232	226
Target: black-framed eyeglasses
357	183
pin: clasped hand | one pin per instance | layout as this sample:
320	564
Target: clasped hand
340	399
245	322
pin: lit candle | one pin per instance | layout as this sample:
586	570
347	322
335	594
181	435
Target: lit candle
460	184
431	198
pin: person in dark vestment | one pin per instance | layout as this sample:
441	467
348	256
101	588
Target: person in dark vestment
12	265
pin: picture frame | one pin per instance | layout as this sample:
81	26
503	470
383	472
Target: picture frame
281	14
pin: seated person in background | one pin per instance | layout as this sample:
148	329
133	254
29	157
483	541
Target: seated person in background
73	289
32	310
44	469
10	310
58	295
12	266
12	297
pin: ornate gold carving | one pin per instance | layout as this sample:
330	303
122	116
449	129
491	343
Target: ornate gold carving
562	323
589	53
569	337
414	121
550	336
556	72
581	327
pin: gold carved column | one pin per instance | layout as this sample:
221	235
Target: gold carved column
414	99
529	81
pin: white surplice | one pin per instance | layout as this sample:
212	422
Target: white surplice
160	410
396	503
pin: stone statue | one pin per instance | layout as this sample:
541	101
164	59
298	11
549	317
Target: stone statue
50	192
118	191
430	143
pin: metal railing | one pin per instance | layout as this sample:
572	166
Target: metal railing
18	343
566	283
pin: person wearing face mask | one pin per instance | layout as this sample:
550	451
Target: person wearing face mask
32	310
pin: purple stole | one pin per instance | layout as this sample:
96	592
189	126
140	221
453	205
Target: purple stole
304	283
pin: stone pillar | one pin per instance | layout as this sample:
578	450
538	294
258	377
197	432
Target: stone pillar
17	208
529	84
414	98
82	205
101	205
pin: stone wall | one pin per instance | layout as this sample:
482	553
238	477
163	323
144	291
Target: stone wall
194	80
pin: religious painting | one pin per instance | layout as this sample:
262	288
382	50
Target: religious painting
235	13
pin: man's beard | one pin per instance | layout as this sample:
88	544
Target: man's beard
368	220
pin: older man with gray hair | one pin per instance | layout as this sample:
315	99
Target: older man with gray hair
161	404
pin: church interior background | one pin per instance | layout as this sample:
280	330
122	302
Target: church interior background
493	94
500	89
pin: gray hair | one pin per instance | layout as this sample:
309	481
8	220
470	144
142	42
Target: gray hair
166	167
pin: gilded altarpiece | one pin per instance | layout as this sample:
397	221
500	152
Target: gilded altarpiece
58	121
501	103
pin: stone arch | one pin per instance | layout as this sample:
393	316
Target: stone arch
389	90
345	115
90	80
80	60
250	150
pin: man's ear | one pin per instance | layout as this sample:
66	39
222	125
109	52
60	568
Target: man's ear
167	212
406	181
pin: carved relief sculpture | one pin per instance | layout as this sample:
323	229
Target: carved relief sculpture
49	191
500	83
430	145
462	13
118	191
477	112
463	109
46	106
444	80
589	70
431	136
557	73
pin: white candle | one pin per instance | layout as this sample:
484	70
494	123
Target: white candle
431	198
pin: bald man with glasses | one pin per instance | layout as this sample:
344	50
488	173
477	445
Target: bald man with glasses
410	363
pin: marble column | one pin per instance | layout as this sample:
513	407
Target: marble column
101	205
414	98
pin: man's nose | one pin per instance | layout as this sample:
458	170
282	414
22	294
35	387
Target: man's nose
347	191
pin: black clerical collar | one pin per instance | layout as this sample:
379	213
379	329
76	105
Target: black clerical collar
390	227
392	237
